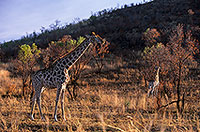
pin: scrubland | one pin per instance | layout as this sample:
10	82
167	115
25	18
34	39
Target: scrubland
113	100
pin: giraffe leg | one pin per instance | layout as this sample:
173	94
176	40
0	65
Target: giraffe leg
38	100
153	91
62	104
149	92
34	86
33	107
57	98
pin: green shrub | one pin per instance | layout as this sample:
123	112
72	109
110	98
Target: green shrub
25	62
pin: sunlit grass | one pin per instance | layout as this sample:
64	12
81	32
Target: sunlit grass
109	101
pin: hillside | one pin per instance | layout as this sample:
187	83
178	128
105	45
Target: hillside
122	27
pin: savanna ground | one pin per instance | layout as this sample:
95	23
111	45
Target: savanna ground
112	100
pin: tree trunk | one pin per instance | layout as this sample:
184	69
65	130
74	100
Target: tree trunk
25	85
183	102
179	108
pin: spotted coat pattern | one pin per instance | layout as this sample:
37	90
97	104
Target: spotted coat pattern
57	76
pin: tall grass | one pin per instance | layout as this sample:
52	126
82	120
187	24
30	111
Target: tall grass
107	101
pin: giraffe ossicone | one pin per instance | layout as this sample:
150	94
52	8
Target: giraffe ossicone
57	76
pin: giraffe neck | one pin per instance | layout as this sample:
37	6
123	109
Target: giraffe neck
157	75
69	60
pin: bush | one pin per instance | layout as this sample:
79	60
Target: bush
175	59
58	49
25	62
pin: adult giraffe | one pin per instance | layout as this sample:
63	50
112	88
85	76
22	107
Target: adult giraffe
56	76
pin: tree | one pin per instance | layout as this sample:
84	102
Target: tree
151	37
182	48
175	59
1	54
96	53
59	48
99	52
25	62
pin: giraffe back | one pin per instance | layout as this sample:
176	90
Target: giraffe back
50	78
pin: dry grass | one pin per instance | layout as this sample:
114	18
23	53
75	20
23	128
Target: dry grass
8	85
110	101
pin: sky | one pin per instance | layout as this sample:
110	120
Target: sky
22	17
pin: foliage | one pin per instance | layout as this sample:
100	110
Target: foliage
59	48
25	62
175	59
123	27
27	54
151	36
96	53
99	52
1	54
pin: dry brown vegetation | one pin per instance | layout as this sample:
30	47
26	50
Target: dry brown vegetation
113	100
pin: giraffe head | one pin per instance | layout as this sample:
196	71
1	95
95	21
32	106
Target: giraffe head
158	68
100	45
94	39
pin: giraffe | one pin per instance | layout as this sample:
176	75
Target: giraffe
57	76
153	84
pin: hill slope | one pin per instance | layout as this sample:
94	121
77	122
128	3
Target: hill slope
122	27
